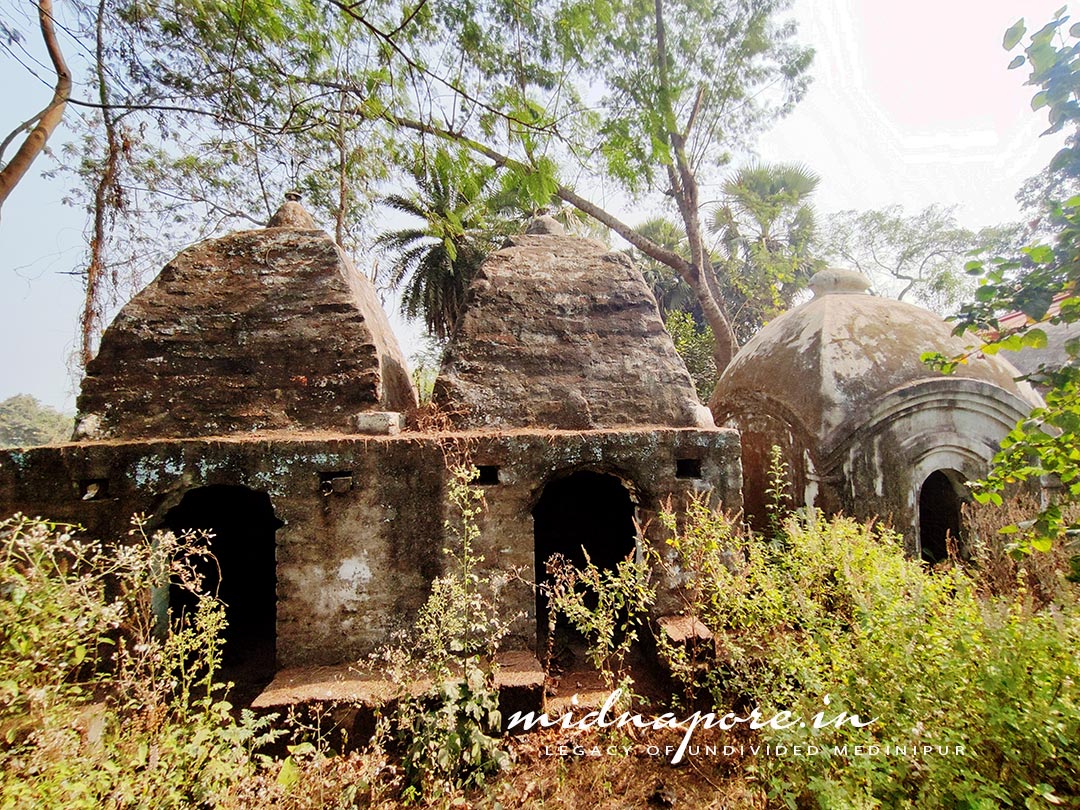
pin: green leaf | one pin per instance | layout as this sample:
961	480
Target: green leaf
1074	30
1043	57
1039	100
1040	254
1035	302
1042	544
1035	339
1014	34
1062	159
1013	343
289	774
1017	61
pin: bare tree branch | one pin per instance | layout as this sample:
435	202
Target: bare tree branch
50	119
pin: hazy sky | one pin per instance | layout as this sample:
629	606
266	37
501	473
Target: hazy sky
911	103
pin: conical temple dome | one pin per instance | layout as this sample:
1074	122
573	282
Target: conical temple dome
559	332
270	329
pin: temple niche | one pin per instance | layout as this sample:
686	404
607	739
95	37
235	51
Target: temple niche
864	425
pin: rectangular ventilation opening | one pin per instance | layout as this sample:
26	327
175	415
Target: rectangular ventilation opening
688	468
489	474
335	483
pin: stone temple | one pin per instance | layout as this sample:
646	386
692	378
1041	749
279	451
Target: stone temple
254	388
864	425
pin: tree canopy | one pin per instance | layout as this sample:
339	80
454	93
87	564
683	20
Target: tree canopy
765	227
25	422
918	257
434	259
203	113
1020	293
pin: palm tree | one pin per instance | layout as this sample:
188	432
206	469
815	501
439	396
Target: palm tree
765	229
670	291
434	262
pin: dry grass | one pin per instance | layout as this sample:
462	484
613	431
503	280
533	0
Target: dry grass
541	777
545	773
999	573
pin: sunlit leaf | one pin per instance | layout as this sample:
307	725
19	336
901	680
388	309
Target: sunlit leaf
1035	339
1014	34
1042	544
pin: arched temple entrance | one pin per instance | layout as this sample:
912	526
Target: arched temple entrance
244	575
582	512
939	513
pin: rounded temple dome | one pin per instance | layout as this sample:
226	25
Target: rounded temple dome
825	364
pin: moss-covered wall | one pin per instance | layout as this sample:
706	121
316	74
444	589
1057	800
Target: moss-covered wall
363	517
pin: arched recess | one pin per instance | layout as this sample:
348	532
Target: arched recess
243	573
585	511
940	499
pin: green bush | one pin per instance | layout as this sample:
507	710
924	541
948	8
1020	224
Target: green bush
447	732
608	606
836	619
97	707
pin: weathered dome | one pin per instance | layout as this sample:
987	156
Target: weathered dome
269	329
830	362
863	426
560	332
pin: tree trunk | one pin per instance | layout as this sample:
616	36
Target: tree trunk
684	189
49	118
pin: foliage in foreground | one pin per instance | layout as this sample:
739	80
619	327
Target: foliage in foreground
823	616
447	730
103	702
835	619
96	708
1020	294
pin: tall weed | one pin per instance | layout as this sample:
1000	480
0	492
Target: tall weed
447	731
97	707
835	619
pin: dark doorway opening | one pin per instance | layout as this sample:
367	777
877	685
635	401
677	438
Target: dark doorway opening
244	575
585	511
939	514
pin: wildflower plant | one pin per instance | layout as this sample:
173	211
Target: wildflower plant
101	702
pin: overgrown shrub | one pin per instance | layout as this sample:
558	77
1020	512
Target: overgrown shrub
836	619
607	606
448	731
97	709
